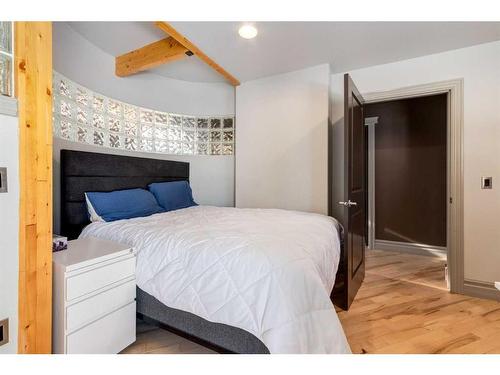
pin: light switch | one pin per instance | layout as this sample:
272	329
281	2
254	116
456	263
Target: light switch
3	180
486	182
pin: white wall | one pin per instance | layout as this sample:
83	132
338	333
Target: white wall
281	141
9	229
479	66
81	61
212	177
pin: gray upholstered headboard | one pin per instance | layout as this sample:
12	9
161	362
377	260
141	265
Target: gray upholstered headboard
87	171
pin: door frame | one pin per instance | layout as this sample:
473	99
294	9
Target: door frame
455	170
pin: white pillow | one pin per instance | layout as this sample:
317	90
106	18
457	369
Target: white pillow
94	217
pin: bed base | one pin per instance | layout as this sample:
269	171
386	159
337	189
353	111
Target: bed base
219	337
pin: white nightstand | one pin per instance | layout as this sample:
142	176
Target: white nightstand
93	297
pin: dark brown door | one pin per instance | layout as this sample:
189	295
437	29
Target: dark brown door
352	266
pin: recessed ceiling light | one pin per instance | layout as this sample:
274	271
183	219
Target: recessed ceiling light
248	31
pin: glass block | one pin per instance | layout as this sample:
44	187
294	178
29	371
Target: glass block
202	136
227	148
65	129
130	144
147	145
202	148
131	129
228	123
175	120
114	108
82	134
64	88
161	118
187	148
161	133
147	130
202	123
215	123
188	135
115	141
65	109
55	104
98	121
6	36
161	145
174	134
146	116
175	147
114	125
189	122
130	113
5	75
215	149
98	138
215	136
56	126
82	97
81	116
98	103
228	136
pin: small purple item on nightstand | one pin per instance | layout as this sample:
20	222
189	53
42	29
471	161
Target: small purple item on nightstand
59	243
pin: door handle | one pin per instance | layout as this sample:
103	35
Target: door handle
349	203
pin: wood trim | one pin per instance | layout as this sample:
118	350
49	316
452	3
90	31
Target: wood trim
455	212
371	185
170	30
411	248
33	68
149	56
481	289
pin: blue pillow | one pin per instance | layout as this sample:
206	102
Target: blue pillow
173	195
123	204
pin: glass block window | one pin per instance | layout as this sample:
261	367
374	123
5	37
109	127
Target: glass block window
6	59
81	115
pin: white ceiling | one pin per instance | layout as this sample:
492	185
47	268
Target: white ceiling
286	46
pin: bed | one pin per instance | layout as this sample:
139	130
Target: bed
236	280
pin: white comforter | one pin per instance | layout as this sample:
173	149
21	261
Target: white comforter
269	272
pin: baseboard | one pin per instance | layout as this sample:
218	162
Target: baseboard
405	247
481	289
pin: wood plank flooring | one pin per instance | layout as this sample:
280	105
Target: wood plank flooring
153	340
402	307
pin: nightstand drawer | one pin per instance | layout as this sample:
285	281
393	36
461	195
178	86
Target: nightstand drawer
86	311
108	335
98	278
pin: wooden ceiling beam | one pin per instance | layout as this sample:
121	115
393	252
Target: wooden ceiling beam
150	56
172	32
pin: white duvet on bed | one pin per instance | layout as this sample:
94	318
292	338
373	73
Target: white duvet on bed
269	272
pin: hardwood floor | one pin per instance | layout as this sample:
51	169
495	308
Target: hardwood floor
153	340
403	306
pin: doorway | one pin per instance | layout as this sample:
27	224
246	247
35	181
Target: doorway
407	164
407	169
436	156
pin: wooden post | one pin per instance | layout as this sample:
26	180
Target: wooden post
33	70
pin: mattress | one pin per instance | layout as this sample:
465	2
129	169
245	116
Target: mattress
268	272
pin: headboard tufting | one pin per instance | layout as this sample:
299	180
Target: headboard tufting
87	171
